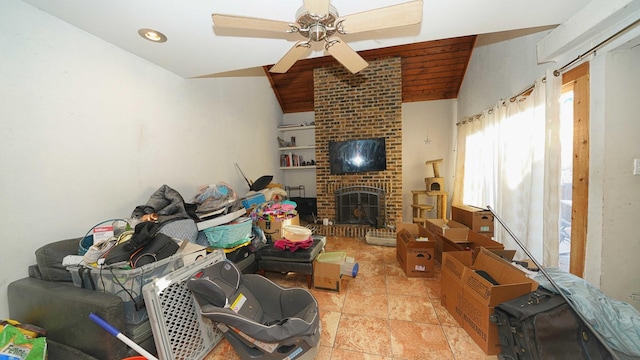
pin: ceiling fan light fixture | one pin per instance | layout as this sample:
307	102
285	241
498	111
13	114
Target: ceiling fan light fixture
317	32
152	35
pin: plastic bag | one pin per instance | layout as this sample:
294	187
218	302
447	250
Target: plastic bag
212	198
15	345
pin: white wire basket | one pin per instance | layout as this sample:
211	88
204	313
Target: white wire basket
179	332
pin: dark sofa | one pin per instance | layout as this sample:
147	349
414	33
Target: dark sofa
48	298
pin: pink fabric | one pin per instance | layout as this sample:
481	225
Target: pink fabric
285	244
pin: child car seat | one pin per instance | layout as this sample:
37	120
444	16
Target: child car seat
259	318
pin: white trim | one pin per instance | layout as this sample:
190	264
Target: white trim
592	25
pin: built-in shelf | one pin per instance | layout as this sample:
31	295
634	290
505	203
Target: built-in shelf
289	148
297	167
294	128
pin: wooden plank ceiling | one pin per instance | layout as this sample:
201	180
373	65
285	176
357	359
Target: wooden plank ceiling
431	70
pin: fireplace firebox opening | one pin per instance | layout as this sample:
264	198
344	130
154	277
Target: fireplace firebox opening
362	205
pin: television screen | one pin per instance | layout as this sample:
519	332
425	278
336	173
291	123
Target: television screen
354	156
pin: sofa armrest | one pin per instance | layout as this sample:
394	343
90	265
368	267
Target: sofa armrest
63	310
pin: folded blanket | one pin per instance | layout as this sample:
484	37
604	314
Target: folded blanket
292	246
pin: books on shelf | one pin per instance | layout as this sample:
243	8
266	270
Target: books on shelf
289	160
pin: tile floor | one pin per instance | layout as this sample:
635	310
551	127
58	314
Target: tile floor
382	314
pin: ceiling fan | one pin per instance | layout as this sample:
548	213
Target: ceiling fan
318	20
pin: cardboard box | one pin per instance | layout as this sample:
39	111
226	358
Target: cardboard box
273	229
327	276
471	241
453	265
451	228
479	296
477	219
415	257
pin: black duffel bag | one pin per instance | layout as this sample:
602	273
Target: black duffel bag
147	245
541	325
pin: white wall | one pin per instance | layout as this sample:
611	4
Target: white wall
89	131
501	66
621	189
305	177
427	134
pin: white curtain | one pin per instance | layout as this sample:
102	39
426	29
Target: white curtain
553	170
500	162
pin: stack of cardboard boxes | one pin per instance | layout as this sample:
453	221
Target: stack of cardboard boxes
467	252
471	298
477	219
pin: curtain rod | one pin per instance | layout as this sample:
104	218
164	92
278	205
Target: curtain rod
560	71
596	48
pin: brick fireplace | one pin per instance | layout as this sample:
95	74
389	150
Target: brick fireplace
359	106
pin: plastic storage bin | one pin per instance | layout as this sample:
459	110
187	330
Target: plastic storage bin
336	257
296	233
381	237
229	235
125	283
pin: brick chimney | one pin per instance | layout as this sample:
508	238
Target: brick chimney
359	106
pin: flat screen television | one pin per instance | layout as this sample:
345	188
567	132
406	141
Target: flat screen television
353	156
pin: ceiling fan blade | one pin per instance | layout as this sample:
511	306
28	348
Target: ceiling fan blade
408	13
345	55
243	22
300	50
317	7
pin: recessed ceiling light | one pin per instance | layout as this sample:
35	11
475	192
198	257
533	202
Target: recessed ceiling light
152	35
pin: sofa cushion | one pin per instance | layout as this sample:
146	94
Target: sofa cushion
63	311
49	259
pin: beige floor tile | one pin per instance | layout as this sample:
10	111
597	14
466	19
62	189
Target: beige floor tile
389	254
433	288
222	351
366	282
364	334
324	353
463	346
445	318
393	269
369	254
330	321
402	285
418	341
366	303
376	268
340	354
329	300
412	308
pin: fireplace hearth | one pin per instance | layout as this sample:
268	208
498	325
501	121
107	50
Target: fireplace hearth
361	205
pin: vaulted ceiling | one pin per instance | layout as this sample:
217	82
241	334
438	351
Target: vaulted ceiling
434	53
195	48
431	70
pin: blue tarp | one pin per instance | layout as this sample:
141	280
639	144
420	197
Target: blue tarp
618	322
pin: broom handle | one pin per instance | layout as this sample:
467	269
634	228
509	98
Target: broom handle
245	178
120	336
602	340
